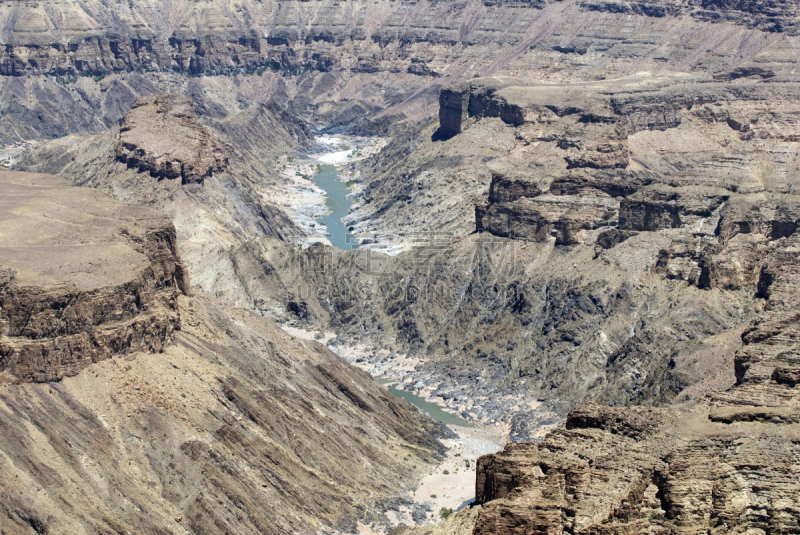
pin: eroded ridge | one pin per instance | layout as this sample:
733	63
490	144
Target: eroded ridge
728	463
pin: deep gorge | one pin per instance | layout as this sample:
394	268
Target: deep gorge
576	225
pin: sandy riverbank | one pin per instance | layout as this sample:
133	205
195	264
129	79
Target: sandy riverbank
10	154
453	482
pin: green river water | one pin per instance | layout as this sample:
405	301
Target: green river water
436	412
339	205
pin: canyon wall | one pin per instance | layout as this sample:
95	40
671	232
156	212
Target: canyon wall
130	403
104	284
216	181
624	227
57	37
618	170
729	463
69	67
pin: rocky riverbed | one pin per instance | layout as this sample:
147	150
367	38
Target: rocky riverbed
446	485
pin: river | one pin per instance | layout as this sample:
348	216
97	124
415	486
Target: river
436	412
451	484
338	203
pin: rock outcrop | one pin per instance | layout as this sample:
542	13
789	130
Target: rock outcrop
86	62
611	177
728	463
209	178
132	405
82	278
234	428
649	469
93	37
161	135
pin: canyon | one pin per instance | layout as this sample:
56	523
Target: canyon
576	226
132	403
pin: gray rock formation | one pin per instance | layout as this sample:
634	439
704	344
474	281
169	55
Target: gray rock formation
85	63
209	179
702	467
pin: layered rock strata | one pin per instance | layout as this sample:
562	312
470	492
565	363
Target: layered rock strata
82	278
161	135
728	464
609	173
234	428
630	469
211	179
71	67
68	37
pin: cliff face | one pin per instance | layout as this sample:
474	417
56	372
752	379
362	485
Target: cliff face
72	67
211	179
617	169
69	37
625	470
132	405
104	282
727	464
161	135
236	427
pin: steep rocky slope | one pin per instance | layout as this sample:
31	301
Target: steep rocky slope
625	229
115	420
77	66
634	469
728	464
695	183
492	333
234	428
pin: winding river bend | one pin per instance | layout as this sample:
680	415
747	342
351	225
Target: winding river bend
338	203
435	411
451	484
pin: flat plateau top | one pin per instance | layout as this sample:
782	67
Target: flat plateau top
53	233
